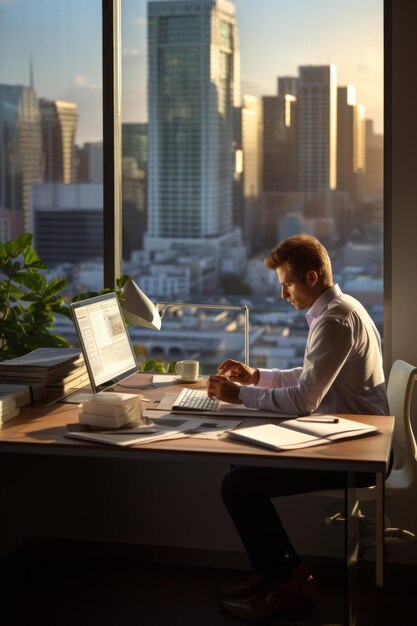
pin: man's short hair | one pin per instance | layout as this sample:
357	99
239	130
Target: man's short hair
302	253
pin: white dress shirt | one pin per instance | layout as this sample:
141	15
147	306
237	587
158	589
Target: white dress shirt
342	370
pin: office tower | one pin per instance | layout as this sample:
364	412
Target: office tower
279	144
59	125
67	222
350	142
135	143
89	162
374	160
193	89
251	128
287	85
317	130
20	147
134	175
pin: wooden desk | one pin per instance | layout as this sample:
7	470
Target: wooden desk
40	429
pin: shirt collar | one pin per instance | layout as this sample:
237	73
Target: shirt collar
322	303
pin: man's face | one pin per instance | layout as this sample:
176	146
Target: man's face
301	294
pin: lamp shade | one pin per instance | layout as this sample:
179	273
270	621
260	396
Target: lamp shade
137	307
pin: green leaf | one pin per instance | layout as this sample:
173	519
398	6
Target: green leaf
58	284
32	259
14	293
32	280
16	246
62	309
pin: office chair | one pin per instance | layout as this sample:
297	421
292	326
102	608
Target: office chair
404	470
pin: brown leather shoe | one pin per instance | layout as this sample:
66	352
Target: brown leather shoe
289	598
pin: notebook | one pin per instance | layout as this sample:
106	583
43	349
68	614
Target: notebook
301	434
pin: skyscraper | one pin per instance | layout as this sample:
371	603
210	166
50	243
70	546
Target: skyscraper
20	147
251	125
279	145
59	125
350	141
134	168
317	127
193	78
374	177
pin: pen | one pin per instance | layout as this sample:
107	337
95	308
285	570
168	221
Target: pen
319	420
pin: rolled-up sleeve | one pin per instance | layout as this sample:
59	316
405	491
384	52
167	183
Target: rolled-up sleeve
300	391
279	378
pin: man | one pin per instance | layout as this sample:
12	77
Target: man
342	372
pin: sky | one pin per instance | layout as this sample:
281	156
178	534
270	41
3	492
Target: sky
63	39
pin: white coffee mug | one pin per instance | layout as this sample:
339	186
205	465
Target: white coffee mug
187	370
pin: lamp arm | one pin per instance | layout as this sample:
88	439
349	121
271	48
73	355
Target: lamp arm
163	306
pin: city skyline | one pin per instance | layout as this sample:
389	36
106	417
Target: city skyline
321	36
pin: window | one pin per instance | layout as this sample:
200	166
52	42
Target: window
51	148
293	93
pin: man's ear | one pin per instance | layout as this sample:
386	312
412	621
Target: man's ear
312	278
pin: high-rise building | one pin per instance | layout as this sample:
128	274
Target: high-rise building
317	127
251	127
134	177
350	142
279	145
135	143
67	222
374	176
193	88
287	85
59	126
20	147
89	162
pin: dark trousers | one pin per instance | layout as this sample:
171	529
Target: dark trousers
247	493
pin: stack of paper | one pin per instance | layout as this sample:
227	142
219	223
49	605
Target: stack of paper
13	396
59	368
111	410
44	365
76	376
8	408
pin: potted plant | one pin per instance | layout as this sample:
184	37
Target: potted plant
28	302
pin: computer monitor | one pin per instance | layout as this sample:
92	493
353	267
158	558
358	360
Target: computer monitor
104	340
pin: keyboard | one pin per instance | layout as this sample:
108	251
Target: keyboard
194	400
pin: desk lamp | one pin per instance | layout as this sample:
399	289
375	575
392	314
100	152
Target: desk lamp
139	310
137	307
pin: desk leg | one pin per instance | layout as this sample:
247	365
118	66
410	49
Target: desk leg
380	528
351	549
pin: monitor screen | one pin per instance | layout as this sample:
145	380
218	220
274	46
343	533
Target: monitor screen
104	340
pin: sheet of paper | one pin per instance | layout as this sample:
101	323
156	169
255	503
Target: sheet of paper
128	437
164	378
125	440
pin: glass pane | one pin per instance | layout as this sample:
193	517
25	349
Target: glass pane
245	123
51	135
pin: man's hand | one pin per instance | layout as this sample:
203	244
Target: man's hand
238	372
222	389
